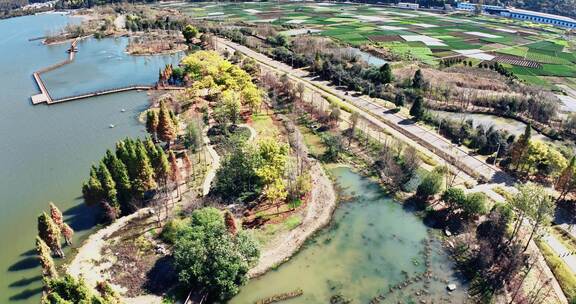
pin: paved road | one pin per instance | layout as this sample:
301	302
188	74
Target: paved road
374	110
568	257
409	131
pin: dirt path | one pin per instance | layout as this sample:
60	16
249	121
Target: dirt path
87	262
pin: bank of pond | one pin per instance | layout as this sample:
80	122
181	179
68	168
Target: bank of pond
373	250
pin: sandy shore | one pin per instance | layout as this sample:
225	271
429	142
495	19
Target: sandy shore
88	261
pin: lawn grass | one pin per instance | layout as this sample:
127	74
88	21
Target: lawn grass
293	222
314	143
565	277
264	126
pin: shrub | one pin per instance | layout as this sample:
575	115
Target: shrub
430	185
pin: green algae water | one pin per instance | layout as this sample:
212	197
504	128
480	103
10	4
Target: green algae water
373	244
46	151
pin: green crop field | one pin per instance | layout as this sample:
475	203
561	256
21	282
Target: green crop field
356	25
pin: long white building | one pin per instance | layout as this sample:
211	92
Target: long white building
520	14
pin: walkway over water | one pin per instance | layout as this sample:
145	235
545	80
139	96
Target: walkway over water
45	97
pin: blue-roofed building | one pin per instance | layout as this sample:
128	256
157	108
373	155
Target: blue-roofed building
520	14
537	17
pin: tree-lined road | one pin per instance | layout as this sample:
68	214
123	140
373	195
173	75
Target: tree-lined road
383	117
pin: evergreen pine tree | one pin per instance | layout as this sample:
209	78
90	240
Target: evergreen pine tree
175	122
151	150
46	261
166	131
161	167
144	180
386	73
152	123
120	176
520	147
92	190
418	80
127	154
417	109
108	185
399	100
49	232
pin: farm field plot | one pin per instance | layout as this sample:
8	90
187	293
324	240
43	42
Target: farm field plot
532	52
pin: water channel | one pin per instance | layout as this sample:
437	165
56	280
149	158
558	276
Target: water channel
46	151
372	244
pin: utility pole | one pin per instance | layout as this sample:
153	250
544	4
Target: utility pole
496	156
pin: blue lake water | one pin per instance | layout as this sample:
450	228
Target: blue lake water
46	151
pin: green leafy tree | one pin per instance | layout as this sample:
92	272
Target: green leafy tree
237	173
252	97
231	103
566	182
190	32
67	290
126	152
417	109
192	137
161	166
334	146
45	257
208	257
540	207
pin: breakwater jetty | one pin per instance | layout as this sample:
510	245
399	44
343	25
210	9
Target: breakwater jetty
45	97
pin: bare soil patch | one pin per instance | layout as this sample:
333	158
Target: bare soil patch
385	38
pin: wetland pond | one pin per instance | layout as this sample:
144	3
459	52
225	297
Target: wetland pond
373	243
501	123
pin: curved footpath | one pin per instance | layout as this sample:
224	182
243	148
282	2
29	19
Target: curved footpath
87	262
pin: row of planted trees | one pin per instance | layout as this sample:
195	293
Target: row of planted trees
63	288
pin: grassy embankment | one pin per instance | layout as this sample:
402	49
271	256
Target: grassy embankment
562	272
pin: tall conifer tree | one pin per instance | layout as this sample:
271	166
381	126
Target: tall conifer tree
92	190
166	130
49	232
46	261
108	185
